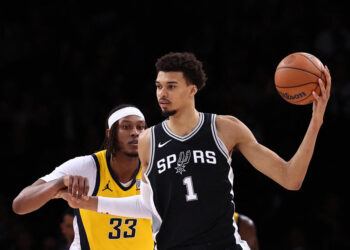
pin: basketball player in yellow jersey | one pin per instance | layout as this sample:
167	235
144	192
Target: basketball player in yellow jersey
113	172
247	230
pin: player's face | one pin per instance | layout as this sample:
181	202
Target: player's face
129	129
173	92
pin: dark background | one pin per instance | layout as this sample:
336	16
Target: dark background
65	64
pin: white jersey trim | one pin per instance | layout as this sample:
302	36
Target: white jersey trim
188	136
239	241
219	143
151	153
76	242
156	219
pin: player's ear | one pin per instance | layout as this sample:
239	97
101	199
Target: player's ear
194	89
107	132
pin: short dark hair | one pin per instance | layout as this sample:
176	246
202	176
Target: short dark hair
111	142
184	62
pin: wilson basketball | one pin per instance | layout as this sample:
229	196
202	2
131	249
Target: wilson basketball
297	76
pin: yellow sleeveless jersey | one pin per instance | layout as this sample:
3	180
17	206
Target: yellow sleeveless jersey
103	231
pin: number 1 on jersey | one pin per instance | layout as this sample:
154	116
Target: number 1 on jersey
191	195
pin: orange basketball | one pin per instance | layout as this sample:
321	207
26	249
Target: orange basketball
297	76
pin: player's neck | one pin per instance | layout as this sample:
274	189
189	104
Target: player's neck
124	167
184	121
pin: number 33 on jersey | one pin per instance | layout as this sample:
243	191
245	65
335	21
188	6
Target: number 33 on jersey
103	231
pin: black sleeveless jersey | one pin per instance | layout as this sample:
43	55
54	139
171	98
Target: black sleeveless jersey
191	181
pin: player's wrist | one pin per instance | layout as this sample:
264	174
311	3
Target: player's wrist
60	183
316	122
90	203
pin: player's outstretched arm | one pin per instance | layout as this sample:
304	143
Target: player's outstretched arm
36	195
126	206
289	174
40	192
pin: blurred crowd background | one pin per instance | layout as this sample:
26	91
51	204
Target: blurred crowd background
65	64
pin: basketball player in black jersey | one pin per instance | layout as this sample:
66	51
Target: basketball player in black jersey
187	178
186	160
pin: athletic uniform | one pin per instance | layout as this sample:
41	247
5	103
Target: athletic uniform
103	231
191	189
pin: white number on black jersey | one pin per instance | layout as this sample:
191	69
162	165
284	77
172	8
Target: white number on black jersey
191	195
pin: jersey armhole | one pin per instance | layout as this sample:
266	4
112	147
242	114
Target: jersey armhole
97	182
151	152
219	143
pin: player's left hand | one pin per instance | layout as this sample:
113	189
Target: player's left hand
77	185
320	103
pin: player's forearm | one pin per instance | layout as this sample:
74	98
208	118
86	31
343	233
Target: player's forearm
131	206
127	206
35	196
300	161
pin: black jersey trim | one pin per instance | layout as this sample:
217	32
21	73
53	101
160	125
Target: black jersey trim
188	136
223	150
152	151
84	243
97	182
116	179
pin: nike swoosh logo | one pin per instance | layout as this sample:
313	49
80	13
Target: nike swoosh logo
160	145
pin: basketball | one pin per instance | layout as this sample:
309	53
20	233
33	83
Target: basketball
297	75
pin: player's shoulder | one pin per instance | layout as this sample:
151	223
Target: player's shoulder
227	121
145	135
144	139
79	161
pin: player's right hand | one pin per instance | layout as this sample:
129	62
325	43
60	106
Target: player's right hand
77	186
72	202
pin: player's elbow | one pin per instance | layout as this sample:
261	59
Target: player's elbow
16	206
294	185
292	180
294	188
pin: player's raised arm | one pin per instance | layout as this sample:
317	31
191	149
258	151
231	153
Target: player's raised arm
237	136
289	174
